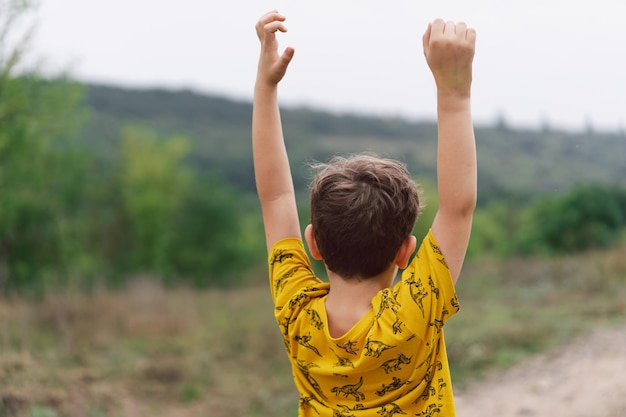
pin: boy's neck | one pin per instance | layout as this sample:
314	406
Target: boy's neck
348	300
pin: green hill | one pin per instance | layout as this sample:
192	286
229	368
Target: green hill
512	162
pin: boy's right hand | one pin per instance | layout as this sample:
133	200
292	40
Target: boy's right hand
449	50
272	66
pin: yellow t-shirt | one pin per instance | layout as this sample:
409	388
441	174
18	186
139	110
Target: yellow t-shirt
392	362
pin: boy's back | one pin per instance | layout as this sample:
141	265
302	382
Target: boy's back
392	361
361	344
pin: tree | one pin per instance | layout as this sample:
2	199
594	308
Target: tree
153	184
218	234
34	113
182	226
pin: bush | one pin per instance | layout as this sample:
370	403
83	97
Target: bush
587	216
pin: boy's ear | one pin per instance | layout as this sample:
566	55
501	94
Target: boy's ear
310	241
406	250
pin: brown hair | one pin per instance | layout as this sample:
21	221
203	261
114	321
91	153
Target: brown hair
362	209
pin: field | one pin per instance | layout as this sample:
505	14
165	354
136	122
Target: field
148	351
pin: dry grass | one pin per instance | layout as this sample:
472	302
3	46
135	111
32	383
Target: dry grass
142	352
151	352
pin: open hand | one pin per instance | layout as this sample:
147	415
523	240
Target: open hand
272	66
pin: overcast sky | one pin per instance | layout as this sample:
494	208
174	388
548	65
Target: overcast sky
537	61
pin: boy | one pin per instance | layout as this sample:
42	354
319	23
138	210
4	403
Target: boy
361	345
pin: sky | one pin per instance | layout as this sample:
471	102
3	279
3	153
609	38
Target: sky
538	62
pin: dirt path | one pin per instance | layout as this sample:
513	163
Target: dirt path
584	379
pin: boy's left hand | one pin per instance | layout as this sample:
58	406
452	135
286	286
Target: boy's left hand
272	66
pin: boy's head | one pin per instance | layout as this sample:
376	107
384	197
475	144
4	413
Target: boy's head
362	209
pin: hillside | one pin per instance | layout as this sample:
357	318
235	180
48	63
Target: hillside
511	162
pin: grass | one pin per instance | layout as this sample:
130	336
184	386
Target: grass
513	309
148	351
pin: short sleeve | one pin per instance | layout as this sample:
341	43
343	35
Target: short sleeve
292	279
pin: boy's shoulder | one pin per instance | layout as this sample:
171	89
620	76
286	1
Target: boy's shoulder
291	272
429	252
285	249
426	289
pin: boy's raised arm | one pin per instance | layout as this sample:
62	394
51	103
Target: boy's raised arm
271	165
449	50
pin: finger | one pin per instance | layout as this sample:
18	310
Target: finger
286	58
273	27
270	16
449	28
267	36
280	67
437	27
460	30
470	36
267	18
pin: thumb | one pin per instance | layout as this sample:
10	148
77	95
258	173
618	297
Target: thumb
285	59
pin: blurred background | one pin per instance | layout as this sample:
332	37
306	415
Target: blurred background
132	255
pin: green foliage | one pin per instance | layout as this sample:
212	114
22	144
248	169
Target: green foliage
216	236
515	166
153	184
495	228
586	217
75	213
158	216
36	160
36	118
